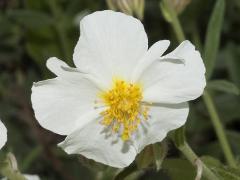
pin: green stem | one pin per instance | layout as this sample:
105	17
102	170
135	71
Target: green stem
179	140
219	129
126	172
27	162
207	98
192	157
174	21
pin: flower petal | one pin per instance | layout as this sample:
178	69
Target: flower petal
154	53
55	65
3	135
59	104
163	118
63	71
175	78
111	44
93	142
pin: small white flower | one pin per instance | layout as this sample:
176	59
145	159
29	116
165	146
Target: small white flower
28	177
3	135
3	140
122	96
31	177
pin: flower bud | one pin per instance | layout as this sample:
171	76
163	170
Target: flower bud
179	5
130	7
170	7
125	6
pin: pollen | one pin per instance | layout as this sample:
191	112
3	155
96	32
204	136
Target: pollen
124	110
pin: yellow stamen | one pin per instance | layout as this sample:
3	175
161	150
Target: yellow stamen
124	109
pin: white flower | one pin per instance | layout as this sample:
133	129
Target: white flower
3	135
28	177
31	177
3	140
122	96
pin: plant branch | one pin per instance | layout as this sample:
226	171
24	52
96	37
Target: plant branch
219	129
192	157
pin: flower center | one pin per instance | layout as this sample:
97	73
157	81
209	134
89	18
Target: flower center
124	109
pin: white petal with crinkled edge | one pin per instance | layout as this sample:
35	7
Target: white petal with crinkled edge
153	54
28	177
162	119
175	78
110	44
94	143
3	134
74	75
60	103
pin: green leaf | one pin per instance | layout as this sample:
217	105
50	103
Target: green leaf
178	136
232	54
30	19
213	36
211	161
152	155
234	136
223	172
223	85
226	174
237	3
33	155
228	107
160	151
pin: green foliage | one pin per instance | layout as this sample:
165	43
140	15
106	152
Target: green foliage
232	54
30	19
224	86
126	172
213	36
178	137
31	31
145	158
179	169
160	153
224	172
8	168
153	155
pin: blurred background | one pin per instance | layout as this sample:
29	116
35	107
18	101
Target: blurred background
31	31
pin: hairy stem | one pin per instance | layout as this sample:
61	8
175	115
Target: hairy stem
219	129
192	157
174	21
